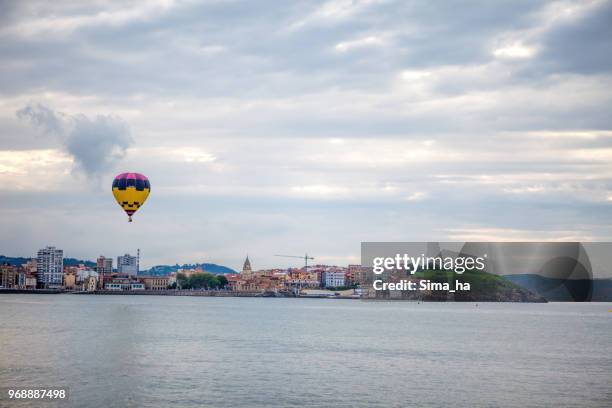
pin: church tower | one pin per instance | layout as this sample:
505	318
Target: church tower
246	269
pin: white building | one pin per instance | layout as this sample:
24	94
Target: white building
50	267
83	274
124	286
127	264
333	279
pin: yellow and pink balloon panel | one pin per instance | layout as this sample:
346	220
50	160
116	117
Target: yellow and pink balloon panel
131	191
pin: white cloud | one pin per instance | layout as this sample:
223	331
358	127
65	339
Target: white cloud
333	10
416	196
57	24
488	234
365	42
33	170
515	51
191	154
319	190
409	75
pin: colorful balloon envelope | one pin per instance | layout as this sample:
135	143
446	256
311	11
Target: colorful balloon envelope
131	191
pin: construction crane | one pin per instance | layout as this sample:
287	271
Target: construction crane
305	258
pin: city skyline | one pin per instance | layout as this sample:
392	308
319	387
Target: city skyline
307	128
596	264
523	272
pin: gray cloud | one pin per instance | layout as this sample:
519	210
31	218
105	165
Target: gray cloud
41	116
266	56
96	144
582	46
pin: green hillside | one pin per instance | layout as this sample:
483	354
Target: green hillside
484	287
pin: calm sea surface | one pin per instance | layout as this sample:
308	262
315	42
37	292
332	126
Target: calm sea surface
157	351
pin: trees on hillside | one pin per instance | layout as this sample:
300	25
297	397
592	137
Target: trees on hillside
201	281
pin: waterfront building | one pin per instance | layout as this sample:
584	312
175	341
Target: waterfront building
127	264
234	282
155	282
124	286
25	280
21	279
317	270
300	279
333	278
103	280
83	273
104	267
247	280
30	266
69	280
126	283
246	268
50	267
259	281
90	284
8	276
262	281
356	275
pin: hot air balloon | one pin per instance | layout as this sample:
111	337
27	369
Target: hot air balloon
131	191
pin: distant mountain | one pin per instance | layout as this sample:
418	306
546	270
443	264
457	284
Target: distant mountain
75	262
11	260
20	261
565	290
208	267
156	270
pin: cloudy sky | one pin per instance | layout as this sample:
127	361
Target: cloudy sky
288	127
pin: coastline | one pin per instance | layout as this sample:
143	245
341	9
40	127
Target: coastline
170	292
214	293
